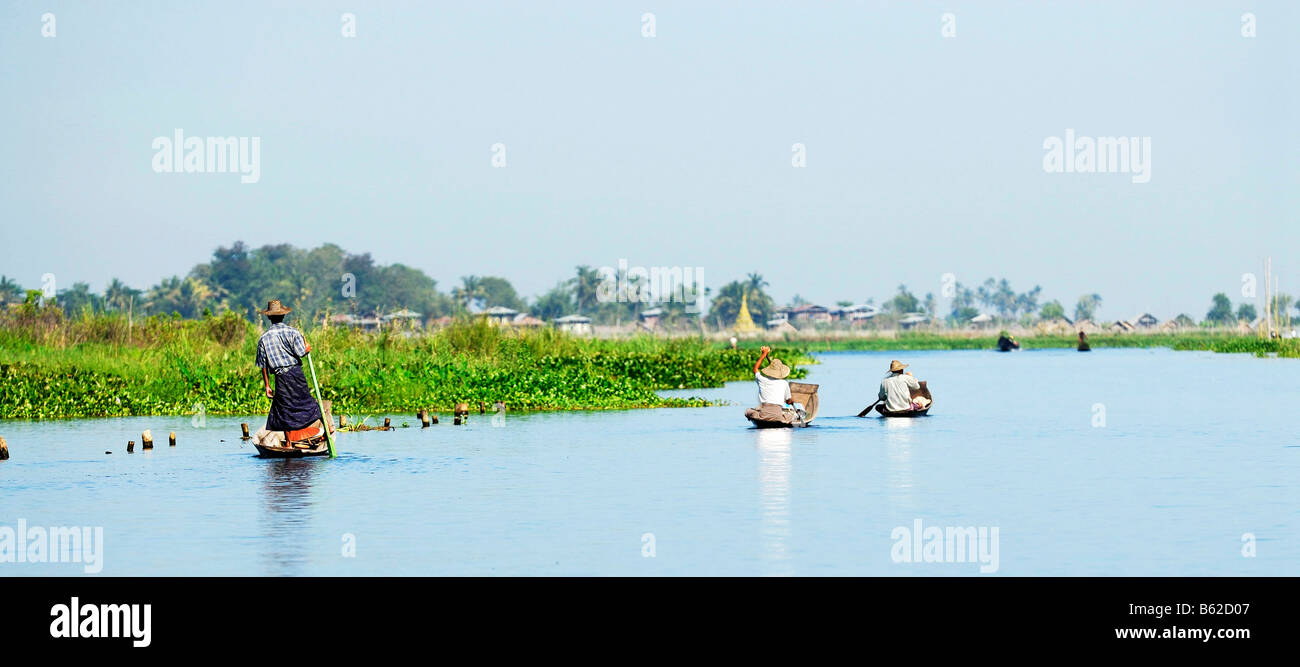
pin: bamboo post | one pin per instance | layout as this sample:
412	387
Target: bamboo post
435	418
130	446
481	409
244	428
424	418
4	450
343	421
146	439
388	423
171	439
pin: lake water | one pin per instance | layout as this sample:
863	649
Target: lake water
1193	451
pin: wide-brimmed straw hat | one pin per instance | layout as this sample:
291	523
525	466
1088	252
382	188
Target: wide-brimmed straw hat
896	366
274	307
776	370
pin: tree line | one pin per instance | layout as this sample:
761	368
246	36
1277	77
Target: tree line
330	280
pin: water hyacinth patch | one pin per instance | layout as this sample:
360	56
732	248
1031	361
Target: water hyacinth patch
183	363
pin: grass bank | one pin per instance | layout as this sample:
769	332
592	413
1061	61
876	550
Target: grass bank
104	366
1193	340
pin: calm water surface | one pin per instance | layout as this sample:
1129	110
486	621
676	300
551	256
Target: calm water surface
1196	450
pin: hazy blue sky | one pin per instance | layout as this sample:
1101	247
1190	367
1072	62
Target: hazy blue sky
924	153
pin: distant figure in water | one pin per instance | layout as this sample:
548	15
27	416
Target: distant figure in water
1007	342
1083	342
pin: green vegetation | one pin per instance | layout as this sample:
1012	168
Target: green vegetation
105	365
1207	341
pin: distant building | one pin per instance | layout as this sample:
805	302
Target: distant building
1122	326
1060	326
577	325
1087	326
500	314
855	313
806	313
1145	321
781	325
403	315
650	318
981	320
369	323
913	320
526	320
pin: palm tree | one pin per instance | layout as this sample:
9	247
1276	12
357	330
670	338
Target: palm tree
471	288
586	288
118	295
10	292
187	296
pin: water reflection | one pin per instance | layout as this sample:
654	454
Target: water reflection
898	450
774	459
286	495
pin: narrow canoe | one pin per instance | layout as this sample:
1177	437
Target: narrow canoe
923	391
309	441
802	393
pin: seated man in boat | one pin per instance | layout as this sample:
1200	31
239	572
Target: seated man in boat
279	352
896	390
1083	342
773	391
1007	342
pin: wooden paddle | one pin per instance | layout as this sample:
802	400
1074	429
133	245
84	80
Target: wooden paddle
867	409
329	439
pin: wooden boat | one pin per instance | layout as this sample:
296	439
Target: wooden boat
802	393
305	442
923	391
308	441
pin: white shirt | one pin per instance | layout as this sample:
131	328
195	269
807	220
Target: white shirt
771	391
896	391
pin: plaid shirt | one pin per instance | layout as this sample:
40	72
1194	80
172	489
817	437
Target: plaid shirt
280	346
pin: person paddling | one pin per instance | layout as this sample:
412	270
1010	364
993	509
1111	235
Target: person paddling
773	391
280	350
1083	342
896	389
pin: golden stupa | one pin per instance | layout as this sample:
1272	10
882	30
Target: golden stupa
744	321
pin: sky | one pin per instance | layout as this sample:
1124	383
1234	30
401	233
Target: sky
923	153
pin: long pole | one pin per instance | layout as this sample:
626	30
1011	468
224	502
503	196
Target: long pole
329	439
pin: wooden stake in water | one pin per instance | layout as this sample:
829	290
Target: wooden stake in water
244	428
329	438
146	439
171	439
4	450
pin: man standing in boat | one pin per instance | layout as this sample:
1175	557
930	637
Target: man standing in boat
773	391
896	389
279	352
